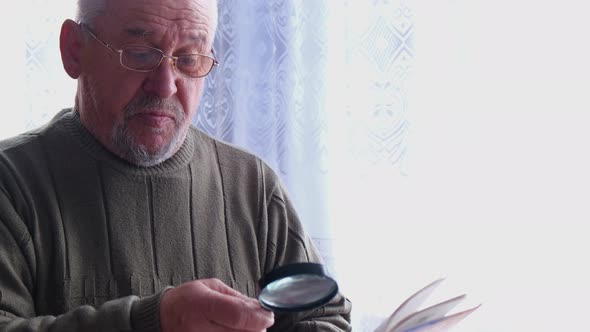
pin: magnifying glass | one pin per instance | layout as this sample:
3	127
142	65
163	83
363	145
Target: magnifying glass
296	287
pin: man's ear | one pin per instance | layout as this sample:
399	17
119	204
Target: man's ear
70	45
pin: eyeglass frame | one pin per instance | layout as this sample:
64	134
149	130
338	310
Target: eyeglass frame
174	58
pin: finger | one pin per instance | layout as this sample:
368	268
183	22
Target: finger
220	287
237	313
219	328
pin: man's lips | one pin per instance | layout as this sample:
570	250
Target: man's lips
154	119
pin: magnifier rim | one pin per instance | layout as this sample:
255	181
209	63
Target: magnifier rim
289	270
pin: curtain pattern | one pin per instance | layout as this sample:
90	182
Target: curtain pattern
380	51
267	95
47	88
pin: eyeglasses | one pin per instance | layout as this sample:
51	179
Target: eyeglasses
144	58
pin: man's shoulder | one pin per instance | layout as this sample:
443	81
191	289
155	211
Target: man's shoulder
233	158
225	151
27	140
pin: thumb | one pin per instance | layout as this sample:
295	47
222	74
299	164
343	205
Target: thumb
218	286
236	311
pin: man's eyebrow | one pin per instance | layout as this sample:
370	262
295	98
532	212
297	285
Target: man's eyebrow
137	32
199	38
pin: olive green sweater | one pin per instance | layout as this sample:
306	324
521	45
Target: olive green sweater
89	241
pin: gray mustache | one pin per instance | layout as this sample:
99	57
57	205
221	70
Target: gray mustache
140	104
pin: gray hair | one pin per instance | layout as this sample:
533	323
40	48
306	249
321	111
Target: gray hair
88	10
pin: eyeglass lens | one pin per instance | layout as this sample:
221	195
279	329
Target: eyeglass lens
137	57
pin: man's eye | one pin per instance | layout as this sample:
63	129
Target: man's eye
187	61
137	56
140	55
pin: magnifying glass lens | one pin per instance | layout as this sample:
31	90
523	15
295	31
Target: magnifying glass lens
303	287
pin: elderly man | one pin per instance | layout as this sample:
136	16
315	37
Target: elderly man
114	201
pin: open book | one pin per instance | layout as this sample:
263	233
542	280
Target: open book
408	317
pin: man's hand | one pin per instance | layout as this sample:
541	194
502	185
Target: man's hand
210	305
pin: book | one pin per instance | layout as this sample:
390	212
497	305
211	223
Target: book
409	317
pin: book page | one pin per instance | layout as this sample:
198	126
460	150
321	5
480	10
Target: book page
409	306
444	324
427	315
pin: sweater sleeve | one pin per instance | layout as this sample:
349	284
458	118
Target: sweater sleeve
289	244
17	287
113	316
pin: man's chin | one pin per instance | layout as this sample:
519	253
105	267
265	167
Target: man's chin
142	156
145	150
155	146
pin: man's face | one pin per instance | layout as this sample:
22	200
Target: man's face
143	117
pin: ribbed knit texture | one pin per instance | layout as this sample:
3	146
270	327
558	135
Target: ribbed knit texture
80	226
145	314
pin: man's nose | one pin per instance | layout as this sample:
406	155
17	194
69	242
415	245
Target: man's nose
162	80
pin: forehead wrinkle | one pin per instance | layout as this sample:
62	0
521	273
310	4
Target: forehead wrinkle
193	35
137	32
145	23
195	13
196	35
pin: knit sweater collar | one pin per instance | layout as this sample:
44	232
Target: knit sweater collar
92	146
